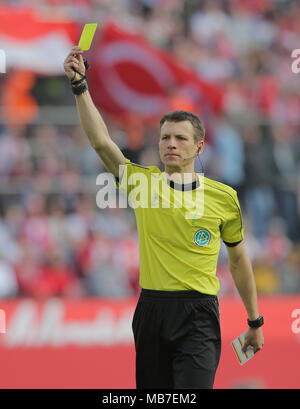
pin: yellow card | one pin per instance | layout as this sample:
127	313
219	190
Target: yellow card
87	36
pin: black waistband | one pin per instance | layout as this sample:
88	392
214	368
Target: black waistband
175	294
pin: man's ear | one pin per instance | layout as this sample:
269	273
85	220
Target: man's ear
200	148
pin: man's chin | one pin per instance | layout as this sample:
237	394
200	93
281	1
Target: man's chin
172	165
172	159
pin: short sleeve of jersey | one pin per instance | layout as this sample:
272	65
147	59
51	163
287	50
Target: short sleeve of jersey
232	231
134	175
121	182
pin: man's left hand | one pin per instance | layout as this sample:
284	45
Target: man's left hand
253	337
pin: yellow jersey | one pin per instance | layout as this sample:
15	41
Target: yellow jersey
179	231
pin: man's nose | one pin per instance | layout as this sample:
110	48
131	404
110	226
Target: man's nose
172	143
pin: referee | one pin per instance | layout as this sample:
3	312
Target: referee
176	323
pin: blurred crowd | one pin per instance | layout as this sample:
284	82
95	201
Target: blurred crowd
54	239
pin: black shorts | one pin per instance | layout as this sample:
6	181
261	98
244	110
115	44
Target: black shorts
177	339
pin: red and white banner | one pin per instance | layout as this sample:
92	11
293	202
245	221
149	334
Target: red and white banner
130	75
88	343
35	42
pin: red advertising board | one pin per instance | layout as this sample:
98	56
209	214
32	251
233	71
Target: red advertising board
276	366
88	343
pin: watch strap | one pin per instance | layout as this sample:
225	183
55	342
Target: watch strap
256	323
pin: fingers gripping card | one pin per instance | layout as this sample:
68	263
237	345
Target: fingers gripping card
237	344
87	36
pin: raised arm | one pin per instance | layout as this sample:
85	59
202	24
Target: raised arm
90	118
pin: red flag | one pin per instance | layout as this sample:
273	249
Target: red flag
128	75
34	41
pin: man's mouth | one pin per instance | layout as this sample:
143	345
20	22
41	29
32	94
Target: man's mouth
171	154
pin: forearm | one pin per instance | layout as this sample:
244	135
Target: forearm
91	120
243	277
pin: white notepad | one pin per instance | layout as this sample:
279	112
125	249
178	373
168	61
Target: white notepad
237	344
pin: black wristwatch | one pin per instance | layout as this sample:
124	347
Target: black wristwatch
256	323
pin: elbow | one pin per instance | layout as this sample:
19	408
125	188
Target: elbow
99	145
235	262
233	265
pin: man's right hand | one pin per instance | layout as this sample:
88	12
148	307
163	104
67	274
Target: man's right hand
74	60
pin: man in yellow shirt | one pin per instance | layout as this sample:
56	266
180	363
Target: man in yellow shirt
181	221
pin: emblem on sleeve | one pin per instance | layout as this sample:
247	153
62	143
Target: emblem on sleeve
202	237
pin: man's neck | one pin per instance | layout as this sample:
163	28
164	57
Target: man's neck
181	177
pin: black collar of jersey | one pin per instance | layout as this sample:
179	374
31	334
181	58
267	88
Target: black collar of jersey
183	187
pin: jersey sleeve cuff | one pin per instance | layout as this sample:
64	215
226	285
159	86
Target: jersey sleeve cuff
232	244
